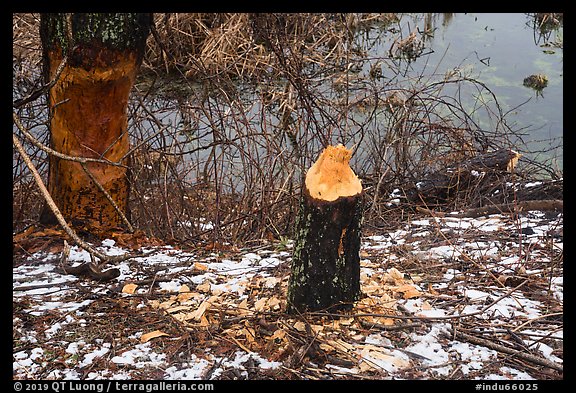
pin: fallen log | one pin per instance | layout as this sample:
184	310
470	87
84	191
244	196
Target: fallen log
507	350
326	258
442	184
540	190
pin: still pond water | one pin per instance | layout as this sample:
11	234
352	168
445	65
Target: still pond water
497	49
500	50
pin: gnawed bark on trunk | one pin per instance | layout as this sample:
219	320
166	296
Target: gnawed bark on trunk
88	107
326	258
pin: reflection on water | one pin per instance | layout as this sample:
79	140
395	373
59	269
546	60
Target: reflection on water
500	50
497	50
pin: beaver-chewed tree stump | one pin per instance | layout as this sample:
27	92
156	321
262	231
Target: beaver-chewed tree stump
326	258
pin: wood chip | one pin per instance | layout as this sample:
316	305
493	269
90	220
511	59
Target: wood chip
129	288
149	336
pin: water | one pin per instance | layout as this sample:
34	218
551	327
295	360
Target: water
499	50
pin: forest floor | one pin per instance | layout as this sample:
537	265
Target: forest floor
443	298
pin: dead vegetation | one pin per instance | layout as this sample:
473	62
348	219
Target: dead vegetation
231	109
229	112
252	46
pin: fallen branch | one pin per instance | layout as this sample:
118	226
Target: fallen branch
92	269
501	348
380	326
42	286
50	201
513	207
542	205
82	161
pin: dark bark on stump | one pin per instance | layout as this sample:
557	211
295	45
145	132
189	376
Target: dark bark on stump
326	258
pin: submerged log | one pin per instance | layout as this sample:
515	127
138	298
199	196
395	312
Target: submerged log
326	258
441	185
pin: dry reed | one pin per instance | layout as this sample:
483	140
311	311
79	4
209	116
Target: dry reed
231	109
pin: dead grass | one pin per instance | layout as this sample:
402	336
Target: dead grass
232	109
245	45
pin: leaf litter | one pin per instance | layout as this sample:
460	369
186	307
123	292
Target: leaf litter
443	298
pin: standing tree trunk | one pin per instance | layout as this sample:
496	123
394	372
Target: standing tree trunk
88	109
326	258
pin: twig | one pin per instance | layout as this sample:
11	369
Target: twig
371	325
37	93
53	152
514	352
554	314
108	196
41	286
90	269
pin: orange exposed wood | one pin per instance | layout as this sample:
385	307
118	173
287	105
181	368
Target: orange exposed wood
331	176
89	119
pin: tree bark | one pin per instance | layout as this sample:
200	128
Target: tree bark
88	109
326	258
